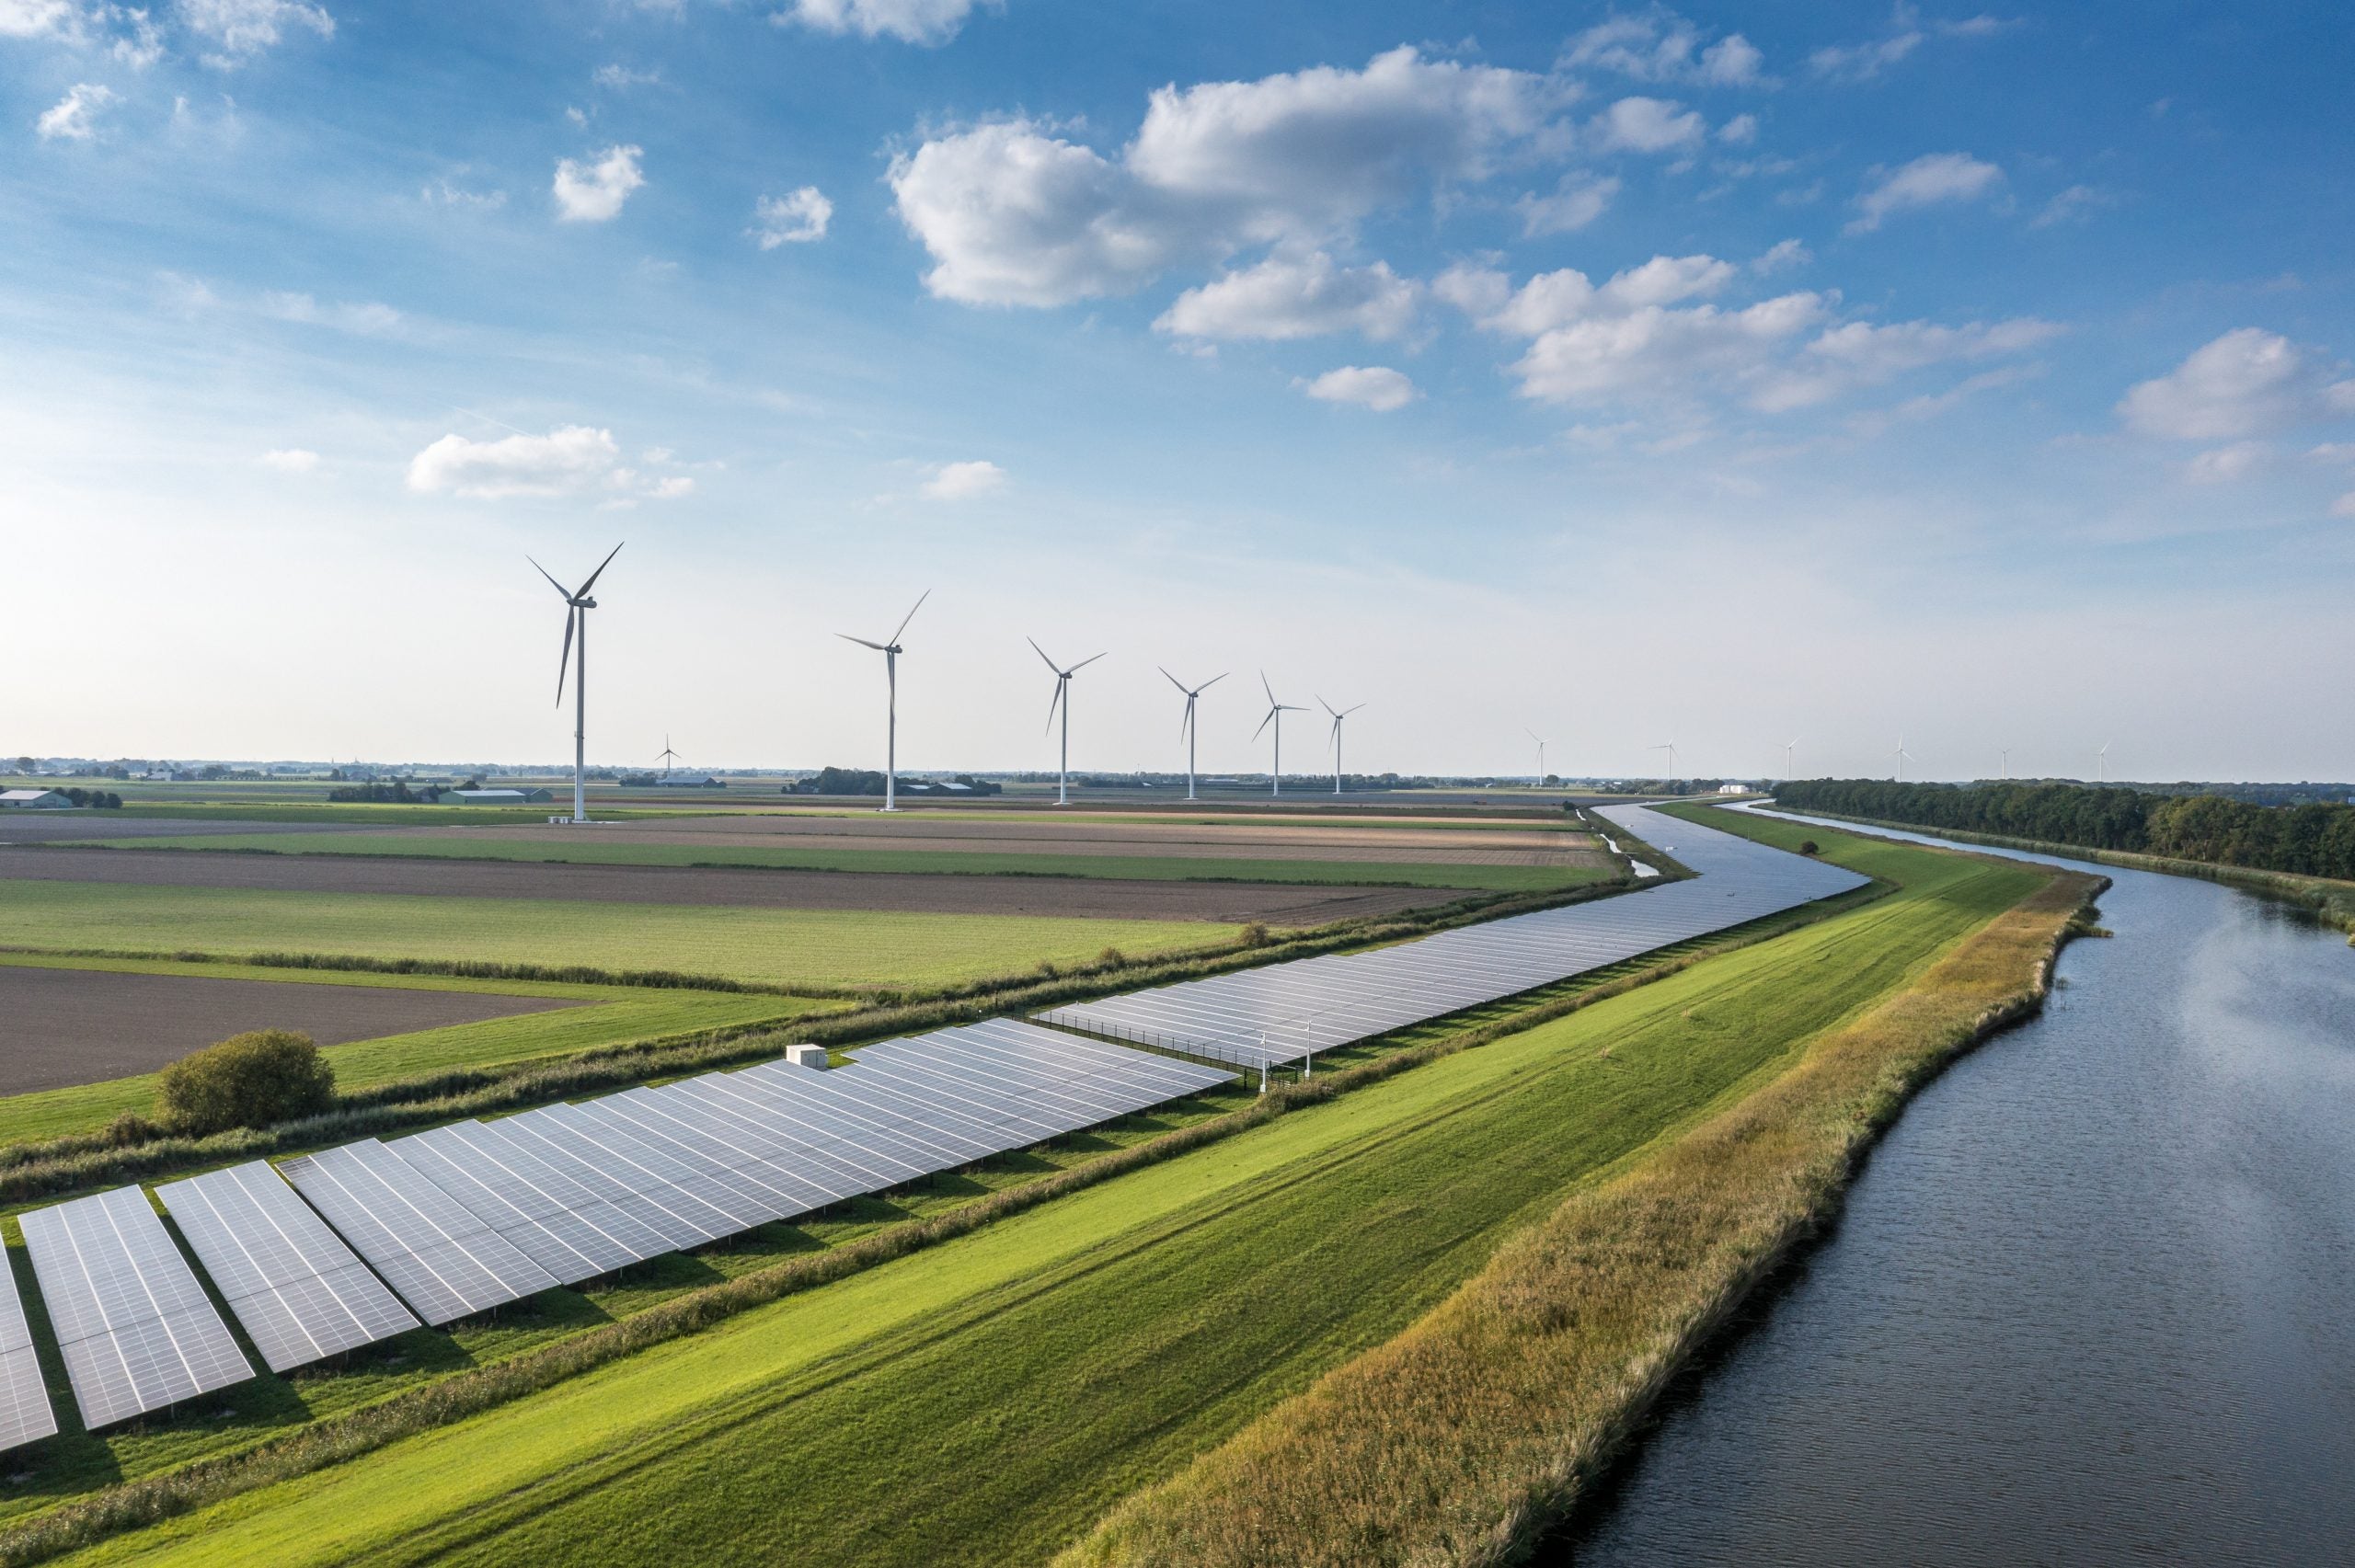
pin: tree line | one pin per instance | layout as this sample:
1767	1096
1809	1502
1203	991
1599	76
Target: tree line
2316	839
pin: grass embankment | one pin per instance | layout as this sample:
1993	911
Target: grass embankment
607	1016
982	1400
1460	1439
786	947
818	856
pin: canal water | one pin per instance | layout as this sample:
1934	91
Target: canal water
2091	1302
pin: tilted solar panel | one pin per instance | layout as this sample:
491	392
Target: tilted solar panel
298	1290
136	1330
572	1244
25	1412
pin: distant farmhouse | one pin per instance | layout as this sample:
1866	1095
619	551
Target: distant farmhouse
690	781
494	796
33	801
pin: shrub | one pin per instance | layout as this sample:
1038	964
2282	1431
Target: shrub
130	1129
1255	935
1112	958
252	1080
1807	846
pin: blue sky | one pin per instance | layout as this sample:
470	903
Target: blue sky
1721	374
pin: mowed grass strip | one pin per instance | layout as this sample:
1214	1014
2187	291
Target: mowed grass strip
958	862
823	948
984	1400
1462	1440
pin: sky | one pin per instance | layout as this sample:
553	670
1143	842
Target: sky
1781	382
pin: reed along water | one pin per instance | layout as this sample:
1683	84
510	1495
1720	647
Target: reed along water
2092	1300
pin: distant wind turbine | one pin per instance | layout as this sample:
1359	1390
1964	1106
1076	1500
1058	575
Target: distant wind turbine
1668	746
1903	757
891	651
1790	757
669	758
1186	729
577	604
2008	762
2101	762
1336	741
1061	699
1541	753
1276	712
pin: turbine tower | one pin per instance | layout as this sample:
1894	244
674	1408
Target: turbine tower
1061	699
1186	730
1541	754
1903	757
2101	763
1668	746
1336	741
891	651
577	605
2008	762
669	758
1790	757
1276	712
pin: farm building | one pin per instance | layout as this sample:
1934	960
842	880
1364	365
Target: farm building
690	781
494	796
33	801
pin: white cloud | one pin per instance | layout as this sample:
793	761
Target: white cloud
442	193
1015	213
368	318
1863	62
243	29
290	460
1648	125
1377	387
1927	181
792	218
140	45
1739	132
1576	202
594	192
1855	354
961	481
621	78
910	21
1286	297
1663	47
73	118
2248	382
2069	205
2344	506
1782	254
2224	463
571	460
37	19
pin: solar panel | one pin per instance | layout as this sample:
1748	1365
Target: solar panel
135	1328
1286	1012
25	1414
445	1262
297	1289
664	1213
574	1237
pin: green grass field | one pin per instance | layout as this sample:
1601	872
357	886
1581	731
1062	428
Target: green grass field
607	1016
817	857
788	947
984	1400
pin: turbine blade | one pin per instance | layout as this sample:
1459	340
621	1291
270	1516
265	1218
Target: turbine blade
1037	649
1321	701
1173	681
912	613
860	641
1264	723
1347	711
552	582
1211	682
1265	687
565	663
1186	721
1084	663
1052	700
600	571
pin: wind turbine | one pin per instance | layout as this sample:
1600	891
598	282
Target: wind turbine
1062	700
577	604
1186	729
1276	712
2008	762
2101	763
891	651
669	758
1541	754
1668	746
1903	757
1336	741
1790	757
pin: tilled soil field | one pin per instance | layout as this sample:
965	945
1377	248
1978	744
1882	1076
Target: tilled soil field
67	1027
1286	904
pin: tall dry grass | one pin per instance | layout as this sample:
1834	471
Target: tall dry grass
1460	1439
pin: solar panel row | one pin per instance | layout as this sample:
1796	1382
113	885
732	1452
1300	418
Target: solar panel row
1286	1012
25	1414
135	1328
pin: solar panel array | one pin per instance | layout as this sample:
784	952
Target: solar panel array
135	1328
1286	1012
25	1414
297	1289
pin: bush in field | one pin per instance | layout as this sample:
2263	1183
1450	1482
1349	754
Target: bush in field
1808	846
252	1080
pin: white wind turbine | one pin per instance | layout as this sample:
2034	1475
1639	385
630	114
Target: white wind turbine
1541	753
2008	762
1668	746
669	757
1335	740
577	605
1902	757
1186	729
891	651
1276	712
1790	757
2101	763
1061	699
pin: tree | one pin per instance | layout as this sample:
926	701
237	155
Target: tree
252	1080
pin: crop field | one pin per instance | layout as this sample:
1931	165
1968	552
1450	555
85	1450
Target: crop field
984	1400
1288	903
786	947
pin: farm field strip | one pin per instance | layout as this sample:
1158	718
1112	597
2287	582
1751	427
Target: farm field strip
983	1401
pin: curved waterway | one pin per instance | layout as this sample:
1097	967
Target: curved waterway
2092	1300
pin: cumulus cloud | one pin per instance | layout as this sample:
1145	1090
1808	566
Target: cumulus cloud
1576	202
1863	62
2224	465
1782	254
37	19
1857	354
571	460
620	78
1014	213
1648	125
242	28
368	318
1661	46
1377	387
1927	181
2070	205
962	481
2246	383
593	192
910	21
1739	132
73	118
290	460
795	218
442	193
1288	297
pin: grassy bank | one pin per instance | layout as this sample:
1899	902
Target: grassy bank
1462	1438
982	1400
